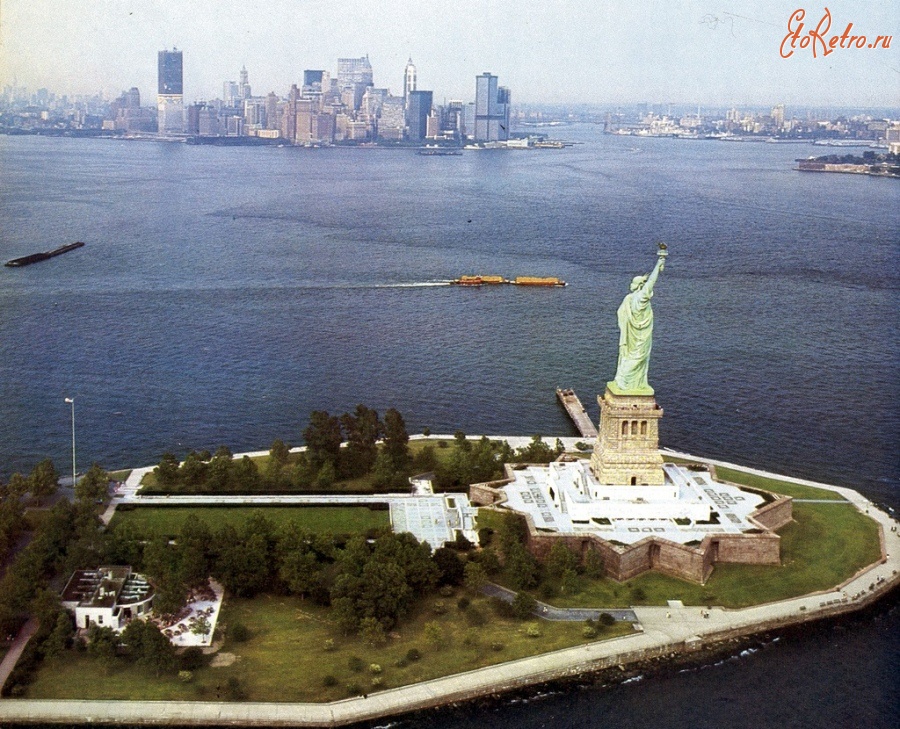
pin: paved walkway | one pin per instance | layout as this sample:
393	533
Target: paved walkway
15	650
546	611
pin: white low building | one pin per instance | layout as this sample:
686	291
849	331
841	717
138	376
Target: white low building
107	596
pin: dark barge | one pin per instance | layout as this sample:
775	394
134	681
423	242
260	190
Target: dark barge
35	257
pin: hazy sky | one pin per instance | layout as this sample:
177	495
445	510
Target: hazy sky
595	51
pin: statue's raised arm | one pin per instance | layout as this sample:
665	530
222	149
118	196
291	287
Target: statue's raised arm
635	317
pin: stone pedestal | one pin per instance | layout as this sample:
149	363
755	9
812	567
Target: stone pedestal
627	448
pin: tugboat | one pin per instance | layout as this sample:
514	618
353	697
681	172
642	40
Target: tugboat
35	257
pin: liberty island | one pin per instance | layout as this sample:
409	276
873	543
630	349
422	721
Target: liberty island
569	498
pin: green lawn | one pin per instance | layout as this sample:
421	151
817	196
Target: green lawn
285	658
825	545
168	520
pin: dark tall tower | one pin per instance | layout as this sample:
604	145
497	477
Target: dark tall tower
170	93
171	77
418	107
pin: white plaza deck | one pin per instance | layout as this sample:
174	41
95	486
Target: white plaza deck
563	497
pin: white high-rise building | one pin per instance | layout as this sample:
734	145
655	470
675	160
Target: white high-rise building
409	81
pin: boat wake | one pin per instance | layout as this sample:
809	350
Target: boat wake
414	285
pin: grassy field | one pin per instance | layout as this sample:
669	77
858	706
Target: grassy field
285	658
167	521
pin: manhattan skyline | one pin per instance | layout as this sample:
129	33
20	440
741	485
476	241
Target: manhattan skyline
609	52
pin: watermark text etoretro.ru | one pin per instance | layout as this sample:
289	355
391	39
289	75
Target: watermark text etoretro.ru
819	42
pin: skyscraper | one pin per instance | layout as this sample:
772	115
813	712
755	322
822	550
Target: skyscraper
354	76
418	108
491	109
170	92
409	80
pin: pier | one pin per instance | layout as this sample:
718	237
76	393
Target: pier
576	411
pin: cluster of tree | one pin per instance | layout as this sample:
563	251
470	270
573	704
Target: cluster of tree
68	537
361	579
204	472
41	483
338	448
326	461
560	572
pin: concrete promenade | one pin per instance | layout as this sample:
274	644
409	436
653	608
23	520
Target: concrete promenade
663	631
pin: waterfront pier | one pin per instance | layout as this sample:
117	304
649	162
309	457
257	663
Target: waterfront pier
576	411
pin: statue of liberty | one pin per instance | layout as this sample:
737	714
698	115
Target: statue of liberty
636	333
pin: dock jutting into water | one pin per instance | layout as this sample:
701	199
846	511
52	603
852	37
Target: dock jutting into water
576	411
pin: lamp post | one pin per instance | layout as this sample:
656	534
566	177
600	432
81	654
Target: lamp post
71	401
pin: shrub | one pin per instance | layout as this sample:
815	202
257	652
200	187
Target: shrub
355	664
446	591
471	639
463	603
439	607
413	654
377	681
497	646
638	594
185	676
192	659
240	633
329	680
547	591
353	689
374	668
329	645
442	444
523	605
607	619
533	631
589	632
401	662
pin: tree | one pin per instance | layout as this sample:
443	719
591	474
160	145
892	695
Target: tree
450	566
521	567
102	644
536	452
245	475
43	480
166	472
323	438
593	564
278	458
560	559
434	634
362	430
569	584
220	468
371	631
396	440
475	576
523	605
149	647
94	485
193	471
